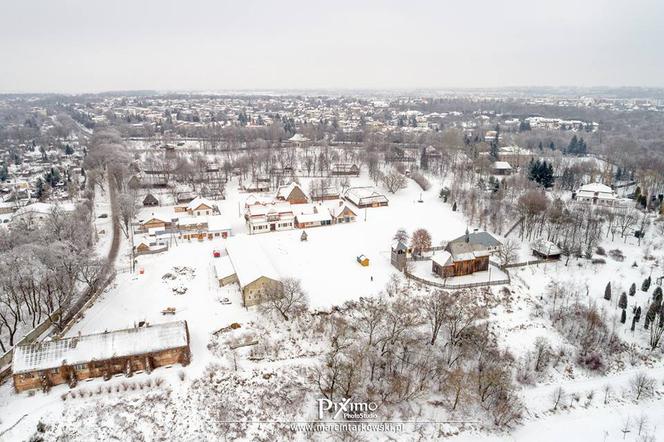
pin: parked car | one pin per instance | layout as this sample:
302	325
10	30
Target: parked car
103	215
216	253
225	301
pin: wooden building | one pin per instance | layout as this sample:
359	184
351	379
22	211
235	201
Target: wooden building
292	193
465	255
253	269
341	169
66	361
150	200
366	197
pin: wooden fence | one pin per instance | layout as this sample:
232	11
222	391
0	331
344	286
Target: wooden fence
449	286
528	263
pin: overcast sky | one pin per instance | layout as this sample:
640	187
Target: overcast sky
94	45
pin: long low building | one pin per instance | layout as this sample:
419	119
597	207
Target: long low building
69	360
253	269
365	197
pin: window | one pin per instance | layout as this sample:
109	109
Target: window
79	367
54	370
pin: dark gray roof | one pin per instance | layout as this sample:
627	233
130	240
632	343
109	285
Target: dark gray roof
479	238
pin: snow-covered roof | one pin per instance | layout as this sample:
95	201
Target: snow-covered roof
602	190
545	247
218	222
443	258
223	267
298	138
192	220
249	260
502	165
359	195
196	202
285	191
43	208
99	347
274	207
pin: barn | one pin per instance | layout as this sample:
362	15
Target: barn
66	361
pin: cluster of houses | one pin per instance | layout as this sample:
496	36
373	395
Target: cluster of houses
199	220
293	208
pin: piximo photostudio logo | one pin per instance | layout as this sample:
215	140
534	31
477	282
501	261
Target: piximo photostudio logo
347	409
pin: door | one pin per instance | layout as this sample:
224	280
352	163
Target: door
273	227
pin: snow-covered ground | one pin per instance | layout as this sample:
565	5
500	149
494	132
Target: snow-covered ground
326	264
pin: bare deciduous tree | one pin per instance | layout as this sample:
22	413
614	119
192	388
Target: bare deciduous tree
285	298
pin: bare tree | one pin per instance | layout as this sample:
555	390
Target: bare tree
285	298
394	181
127	208
507	253
558	396
435	309
642	385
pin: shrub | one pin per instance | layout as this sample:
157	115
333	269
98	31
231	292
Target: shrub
421	180
598	261
600	251
617	254
592	361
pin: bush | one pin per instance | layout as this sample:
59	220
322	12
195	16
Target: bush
598	261
617	254
600	251
592	361
421	180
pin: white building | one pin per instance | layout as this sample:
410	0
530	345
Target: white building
597	194
270	217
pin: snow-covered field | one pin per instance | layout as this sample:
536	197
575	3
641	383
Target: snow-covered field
330	274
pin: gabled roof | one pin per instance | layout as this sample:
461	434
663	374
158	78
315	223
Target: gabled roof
199	201
443	258
249	260
99	347
285	192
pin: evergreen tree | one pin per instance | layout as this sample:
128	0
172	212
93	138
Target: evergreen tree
632	289
573	145
424	160
454	207
646	284
4	173
552	146
494	150
622	303
607	292
623	317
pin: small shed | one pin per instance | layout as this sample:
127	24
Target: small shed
545	249
363	260
502	168
304	236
